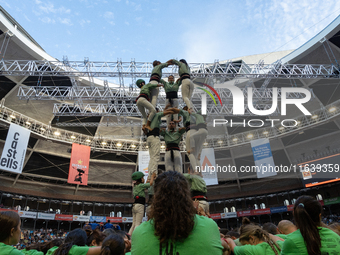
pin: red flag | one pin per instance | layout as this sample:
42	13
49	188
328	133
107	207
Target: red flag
79	165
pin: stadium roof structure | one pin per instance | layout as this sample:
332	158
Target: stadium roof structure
63	102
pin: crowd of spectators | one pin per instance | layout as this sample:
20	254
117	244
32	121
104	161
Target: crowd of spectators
30	237
175	227
332	218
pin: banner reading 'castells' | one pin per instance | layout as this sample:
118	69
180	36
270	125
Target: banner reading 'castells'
14	152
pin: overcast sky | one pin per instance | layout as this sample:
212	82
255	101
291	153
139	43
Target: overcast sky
145	30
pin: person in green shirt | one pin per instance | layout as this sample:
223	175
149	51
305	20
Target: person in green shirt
174	227
143	101
42	248
139	196
156	75
172	138
187	85
171	90
310	238
75	244
113	245
286	227
255	241
153	140
198	189
10	233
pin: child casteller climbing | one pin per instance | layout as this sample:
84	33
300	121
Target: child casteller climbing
143	101
139	196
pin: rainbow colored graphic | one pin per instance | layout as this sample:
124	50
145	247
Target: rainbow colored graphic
210	94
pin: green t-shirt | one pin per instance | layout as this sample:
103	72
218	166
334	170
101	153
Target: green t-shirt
204	239
172	136
156	120
295	244
147	88
282	236
139	190
196	182
199	118
9	250
158	69
187	117
151	190
169	87
50	251
259	249
182	68
75	250
32	252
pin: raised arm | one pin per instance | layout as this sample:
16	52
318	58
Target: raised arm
153	177
182	129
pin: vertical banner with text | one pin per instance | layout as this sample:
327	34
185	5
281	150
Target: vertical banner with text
79	165
263	158
208	166
143	163
14	152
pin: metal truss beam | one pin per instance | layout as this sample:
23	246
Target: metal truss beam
143	69
106	93
131	110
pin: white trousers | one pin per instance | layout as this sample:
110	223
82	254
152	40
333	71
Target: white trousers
137	214
142	104
196	141
154	94
187	90
154	144
188	146
176	165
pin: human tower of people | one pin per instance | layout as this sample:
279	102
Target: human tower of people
193	125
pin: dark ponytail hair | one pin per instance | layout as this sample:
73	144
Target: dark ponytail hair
95	235
250	229
113	244
75	237
8	220
307	212
44	247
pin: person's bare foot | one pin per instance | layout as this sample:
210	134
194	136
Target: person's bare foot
149	128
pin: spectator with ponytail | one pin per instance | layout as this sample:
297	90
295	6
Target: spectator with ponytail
38	248
95	238
310	238
113	245
10	233
255	241
75	244
174	228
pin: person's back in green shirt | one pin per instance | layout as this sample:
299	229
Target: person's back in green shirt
259	249
204	239
295	244
9	250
